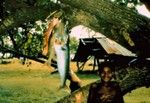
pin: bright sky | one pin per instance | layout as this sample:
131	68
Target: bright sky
84	32
143	11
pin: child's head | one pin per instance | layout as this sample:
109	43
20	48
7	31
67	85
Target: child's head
106	71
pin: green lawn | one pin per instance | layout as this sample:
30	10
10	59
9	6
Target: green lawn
20	84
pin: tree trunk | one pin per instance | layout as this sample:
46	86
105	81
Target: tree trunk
119	23
113	13
120	19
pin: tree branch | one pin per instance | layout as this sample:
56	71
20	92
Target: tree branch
22	55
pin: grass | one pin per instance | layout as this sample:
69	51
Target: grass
31	88
140	95
35	84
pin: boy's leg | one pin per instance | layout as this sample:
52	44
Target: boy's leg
75	82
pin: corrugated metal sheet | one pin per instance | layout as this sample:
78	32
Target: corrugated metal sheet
111	47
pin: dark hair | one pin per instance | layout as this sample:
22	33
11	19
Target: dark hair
106	64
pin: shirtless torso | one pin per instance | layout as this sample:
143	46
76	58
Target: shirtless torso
101	93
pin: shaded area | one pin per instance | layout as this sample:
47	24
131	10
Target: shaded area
104	49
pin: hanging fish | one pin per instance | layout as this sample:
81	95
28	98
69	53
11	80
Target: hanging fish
61	46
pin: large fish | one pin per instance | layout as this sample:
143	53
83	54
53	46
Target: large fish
61	46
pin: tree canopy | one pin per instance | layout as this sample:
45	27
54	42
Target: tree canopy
113	19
